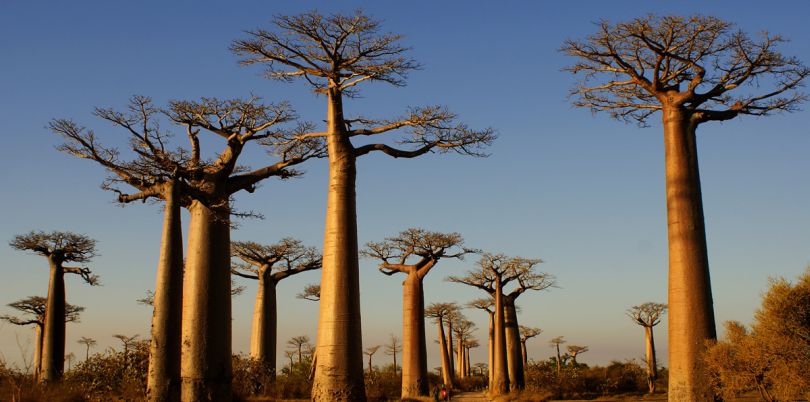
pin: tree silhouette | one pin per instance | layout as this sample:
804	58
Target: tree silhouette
185	177
648	315
370	351
527	333
88	343
574	350
334	54
555	343
693	70
59	248
269	265
392	348
414	252
298	343
126	341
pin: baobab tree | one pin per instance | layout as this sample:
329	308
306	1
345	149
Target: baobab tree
494	273
463	330
440	312
299	343
59	248
185	177
334	54
487	304
311	292
527	333
392	348
693	70
648	315
574	350
370	351
471	343
88	343
126	341
555	343
414	252
269	265
35	306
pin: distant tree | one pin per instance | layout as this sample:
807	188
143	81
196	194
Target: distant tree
574	351
648	315
290	354
311	292
470	343
773	357
334	54
370	351
392	348
269	265
35	307
127	342
463	330
414	252
59	248
693	70
440	312
527	333
88	343
299	343
69	358
488	305
555	343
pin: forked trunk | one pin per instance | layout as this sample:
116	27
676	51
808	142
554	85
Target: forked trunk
53	339
447	376
263	334
339	366
163	381
500	381
691	311
414	348
514	356
652	364
206	351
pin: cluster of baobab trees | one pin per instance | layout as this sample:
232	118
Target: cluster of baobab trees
693	70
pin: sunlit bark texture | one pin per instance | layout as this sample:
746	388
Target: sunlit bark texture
202	183
34	308
694	70
269	265
59	248
334	54
440	312
527	333
648	315
414	252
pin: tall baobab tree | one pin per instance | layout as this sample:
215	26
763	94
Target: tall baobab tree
299	343
441	312
35	307
463	330
392	348
88	343
185	177
370	351
527	333
269	265
693	70
126	341
311	292
487	304
414	252
648	315
555	343
471	343
574	350
494	273
334	54
59	248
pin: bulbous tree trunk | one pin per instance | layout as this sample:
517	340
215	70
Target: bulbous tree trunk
414	348
691	311
163	381
447	376
53	339
339	362
652	364
514	356
263	334
500	381
206	351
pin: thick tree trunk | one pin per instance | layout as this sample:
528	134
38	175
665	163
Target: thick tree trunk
414	348
163	381
491	349
500	381
339	366
691	311
53	339
447	376
523	353
652	364
450	352
514	356
460	358
206	351
263	334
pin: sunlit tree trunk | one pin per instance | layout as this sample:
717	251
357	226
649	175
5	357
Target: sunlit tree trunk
491	348
514	356
263	334
37	351
206	351
691	312
414	348
53	339
450	352
500	381
523	353
652	364
339	366
163	381
460	358
447	376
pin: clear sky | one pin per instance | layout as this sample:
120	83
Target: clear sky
583	192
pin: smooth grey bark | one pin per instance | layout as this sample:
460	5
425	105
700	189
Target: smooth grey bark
514	356
691	317
53	339
163	379
206	348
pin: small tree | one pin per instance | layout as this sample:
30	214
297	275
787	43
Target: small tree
299	343
693	70
88	343
126	341
59	248
574	351
311	292
441	312
555	343
527	333
370	351
487	304
392	348
648	315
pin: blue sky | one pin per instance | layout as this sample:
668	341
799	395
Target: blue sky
581	191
